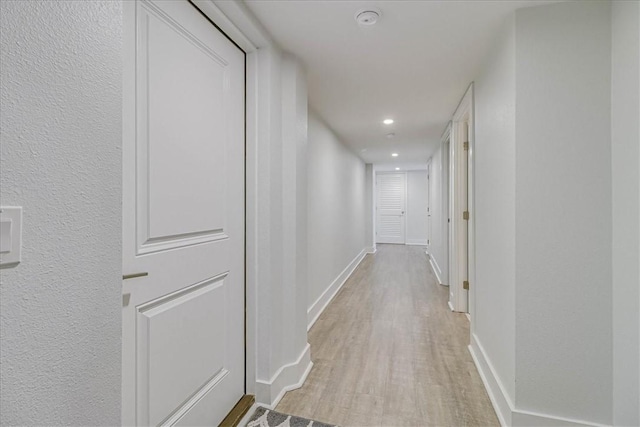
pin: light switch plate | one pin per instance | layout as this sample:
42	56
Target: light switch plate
5	235
10	236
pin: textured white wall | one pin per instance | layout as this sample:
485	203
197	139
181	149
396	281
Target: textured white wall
625	132
336	207
563	210
61	107
495	148
417	202
544	153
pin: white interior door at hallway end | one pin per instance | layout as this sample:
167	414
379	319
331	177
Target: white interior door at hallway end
183	217
391	191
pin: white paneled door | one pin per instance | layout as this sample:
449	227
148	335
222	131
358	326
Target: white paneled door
183	217
391	191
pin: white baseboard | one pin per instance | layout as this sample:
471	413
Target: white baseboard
289	377
435	267
321	303
499	399
450	305
508	415
371	250
416	242
526	419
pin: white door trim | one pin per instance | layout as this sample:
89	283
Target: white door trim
429	204
445	144
462	262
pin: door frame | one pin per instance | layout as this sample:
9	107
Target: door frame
266	378
462	300
375	204
239	25
445	157
429	204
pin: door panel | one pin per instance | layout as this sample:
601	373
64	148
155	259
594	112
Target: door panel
390	225
163	345
390	207
182	87
183	93
183	217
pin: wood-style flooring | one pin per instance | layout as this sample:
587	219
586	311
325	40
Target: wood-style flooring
388	352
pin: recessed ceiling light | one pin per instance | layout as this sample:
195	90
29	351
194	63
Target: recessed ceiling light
394	155
397	169
387	121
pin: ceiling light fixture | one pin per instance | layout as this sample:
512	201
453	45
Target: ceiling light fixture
397	169
394	154
387	121
366	17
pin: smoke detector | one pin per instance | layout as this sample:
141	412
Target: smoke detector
367	17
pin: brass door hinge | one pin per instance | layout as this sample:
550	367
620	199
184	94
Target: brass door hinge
465	284
465	215
466	145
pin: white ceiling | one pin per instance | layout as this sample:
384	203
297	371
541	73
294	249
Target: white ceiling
413	66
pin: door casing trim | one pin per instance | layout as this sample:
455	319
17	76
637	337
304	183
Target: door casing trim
463	114
239	24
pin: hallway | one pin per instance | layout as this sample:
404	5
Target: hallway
387	351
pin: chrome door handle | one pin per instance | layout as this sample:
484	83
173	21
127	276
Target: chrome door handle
134	275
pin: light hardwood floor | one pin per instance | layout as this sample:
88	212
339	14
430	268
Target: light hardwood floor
388	352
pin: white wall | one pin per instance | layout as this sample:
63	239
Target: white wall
438	241
543	192
417	202
61	107
279	275
625	119
336	211
563	210
269	224
294	209
495	147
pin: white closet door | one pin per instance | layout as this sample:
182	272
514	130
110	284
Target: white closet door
183	218
391	189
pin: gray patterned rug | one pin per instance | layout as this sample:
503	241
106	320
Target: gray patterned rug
264	417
